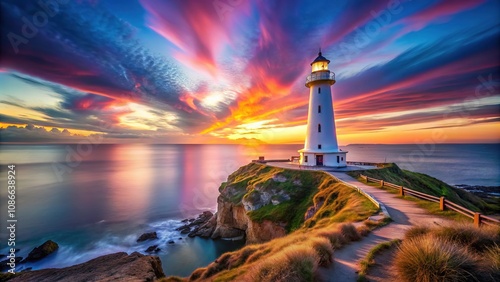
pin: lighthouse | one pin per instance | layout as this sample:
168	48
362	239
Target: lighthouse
321	147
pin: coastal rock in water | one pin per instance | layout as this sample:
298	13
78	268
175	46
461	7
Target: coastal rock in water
42	251
114	267
208	227
200	226
147	236
153	249
185	230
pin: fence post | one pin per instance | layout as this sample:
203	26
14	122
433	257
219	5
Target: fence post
477	219
401	191
442	203
382	183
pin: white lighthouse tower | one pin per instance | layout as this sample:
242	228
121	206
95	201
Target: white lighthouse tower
321	147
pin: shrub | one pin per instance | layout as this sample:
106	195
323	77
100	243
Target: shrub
350	232
294	264
429	259
478	239
363	230
491	260
323	249
336	238
416	231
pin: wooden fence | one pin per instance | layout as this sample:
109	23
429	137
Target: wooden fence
443	203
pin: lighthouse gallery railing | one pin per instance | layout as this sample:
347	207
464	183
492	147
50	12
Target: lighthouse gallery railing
320	76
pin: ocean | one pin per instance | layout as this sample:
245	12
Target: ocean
97	199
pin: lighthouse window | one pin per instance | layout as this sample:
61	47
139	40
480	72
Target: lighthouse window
319	89
319	146
338	159
319	109
305	159
319	127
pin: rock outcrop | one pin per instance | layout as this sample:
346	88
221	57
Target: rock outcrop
114	267
147	236
42	251
247	191
202	226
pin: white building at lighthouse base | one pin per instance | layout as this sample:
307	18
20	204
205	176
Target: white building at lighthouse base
323	158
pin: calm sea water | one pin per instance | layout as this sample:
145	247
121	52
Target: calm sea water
98	200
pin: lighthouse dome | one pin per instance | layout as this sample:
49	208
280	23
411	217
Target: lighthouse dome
320	58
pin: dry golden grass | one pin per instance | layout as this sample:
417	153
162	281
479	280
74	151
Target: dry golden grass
459	252
291	258
295	263
323	249
428	259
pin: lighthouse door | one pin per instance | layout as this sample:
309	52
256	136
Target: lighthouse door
319	160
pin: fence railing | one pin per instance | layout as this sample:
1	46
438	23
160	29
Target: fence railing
443	203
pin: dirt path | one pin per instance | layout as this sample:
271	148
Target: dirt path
404	214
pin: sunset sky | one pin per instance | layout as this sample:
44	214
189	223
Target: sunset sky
222	71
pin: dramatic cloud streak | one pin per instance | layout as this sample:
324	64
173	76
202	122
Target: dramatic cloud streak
234	68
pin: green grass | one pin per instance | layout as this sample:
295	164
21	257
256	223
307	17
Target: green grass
369	259
432	186
304	189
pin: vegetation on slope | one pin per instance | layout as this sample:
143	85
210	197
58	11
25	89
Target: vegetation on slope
312	242
294	192
450	253
430	185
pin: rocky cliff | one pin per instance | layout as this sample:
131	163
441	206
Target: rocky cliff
259	203
114	267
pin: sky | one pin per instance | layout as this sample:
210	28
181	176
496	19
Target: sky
232	71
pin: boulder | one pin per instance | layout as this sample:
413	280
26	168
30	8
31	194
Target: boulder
42	251
113	267
147	236
171	242
153	249
185	230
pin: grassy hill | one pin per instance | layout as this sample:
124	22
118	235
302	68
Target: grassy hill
295	192
310	242
430	185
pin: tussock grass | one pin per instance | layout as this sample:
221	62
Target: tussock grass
323	249
492	256
429	259
417	231
459	252
291	258
336	238
363	230
350	232
295	263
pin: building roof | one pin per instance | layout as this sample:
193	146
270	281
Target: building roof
320	58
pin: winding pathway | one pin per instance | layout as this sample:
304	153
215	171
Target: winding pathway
404	214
